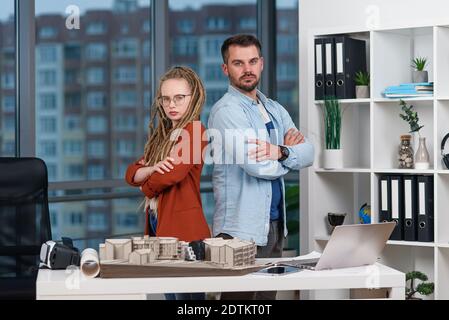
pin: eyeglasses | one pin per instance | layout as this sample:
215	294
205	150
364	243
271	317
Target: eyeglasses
177	99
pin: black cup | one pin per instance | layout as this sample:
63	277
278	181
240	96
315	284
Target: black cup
335	219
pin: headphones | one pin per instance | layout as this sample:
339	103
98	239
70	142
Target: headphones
445	156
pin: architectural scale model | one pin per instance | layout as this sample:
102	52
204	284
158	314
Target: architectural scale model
148	250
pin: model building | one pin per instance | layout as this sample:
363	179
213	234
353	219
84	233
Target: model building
149	250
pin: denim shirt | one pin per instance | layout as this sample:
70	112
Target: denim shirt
242	187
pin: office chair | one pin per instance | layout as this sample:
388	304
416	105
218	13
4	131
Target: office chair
24	224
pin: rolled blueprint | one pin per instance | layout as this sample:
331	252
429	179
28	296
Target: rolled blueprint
90	264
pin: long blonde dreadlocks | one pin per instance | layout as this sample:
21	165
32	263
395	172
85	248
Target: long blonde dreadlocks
159	144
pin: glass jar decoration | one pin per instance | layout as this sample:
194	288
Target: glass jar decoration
406	153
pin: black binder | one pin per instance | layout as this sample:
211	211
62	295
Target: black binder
329	67
384	199
425	208
319	69
350	58
397	207
410	209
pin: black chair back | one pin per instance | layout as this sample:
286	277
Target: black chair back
24	224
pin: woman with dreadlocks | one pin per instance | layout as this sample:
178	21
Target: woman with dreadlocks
170	170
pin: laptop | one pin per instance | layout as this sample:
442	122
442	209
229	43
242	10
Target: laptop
349	246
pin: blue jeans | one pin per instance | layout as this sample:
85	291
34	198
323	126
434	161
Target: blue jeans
185	296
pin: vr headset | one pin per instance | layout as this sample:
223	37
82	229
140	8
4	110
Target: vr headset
55	255
445	156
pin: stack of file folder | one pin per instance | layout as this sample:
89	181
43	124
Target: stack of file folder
409	90
407	200
337	60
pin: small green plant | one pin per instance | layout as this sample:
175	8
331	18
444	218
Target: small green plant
424	288
362	78
332	123
411	117
419	63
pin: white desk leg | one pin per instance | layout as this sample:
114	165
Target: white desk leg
397	293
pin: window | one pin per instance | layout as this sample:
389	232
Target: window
47	148
96	149
71	76
72	100
249	24
74	219
146	74
287	79
48	124
125	147
146	49
125	122
125	74
47	53
287	44
125	98
95	172
9	103
9	123
96	51
47	101
125	48
47	77
198	33
146	26
97	124
127	220
213	46
113	46
72	123
95	75
217	23
73	171
96	100
48	32
73	148
96	28
214	73
185	26
8	80
72	51
185	46
52	171
97	222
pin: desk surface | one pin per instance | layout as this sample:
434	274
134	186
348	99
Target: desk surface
72	283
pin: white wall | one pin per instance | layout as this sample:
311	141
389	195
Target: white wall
354	15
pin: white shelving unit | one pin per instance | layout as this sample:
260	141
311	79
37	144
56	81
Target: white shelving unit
370	139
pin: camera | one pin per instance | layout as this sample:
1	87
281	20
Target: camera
56	255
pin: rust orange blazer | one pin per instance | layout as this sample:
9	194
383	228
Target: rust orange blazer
180	212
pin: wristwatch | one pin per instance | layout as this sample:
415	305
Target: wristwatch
284	152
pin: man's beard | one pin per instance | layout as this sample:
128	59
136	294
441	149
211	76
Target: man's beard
245	87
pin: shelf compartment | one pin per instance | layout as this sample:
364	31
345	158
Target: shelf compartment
441	208
355	135
393	51
411	258
389	128
344	193
442	130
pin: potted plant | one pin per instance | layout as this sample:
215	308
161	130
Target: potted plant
419	74
362	80
424	288
422	161
333	154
